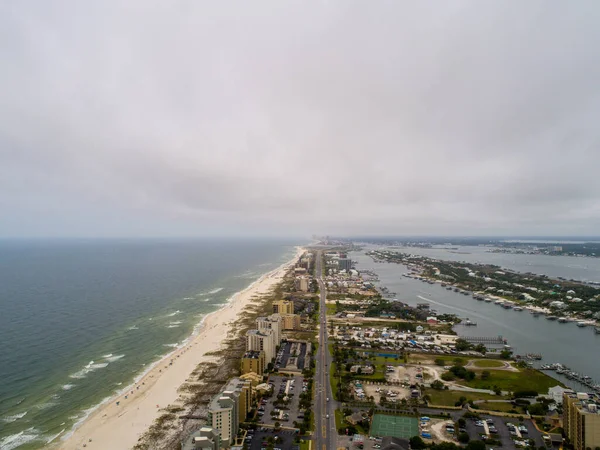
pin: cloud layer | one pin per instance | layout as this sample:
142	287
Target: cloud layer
390	117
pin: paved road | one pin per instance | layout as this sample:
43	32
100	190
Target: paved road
325	431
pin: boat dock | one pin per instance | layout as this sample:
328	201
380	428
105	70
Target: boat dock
498	340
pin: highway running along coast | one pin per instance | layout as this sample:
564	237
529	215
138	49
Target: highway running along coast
325	429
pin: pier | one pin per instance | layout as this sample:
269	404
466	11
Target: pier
498	340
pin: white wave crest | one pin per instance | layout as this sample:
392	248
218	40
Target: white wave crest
16	440
67	387
15	417
113	358
90	367
174	313
133	327
214	291
171	345
46	405
51	438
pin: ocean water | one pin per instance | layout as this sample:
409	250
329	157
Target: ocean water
79	320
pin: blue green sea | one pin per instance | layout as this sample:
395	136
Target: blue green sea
81	319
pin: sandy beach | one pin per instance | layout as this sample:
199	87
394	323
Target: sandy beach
119	426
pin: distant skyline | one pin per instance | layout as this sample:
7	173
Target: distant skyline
149	119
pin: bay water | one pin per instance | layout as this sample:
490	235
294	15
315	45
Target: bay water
576	347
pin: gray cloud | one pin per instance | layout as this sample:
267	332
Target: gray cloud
151	118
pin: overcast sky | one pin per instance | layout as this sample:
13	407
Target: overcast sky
145	118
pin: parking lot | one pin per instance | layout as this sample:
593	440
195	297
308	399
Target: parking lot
290	388
498	429
261	437
368	444
291	357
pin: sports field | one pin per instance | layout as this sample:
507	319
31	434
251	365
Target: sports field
396	426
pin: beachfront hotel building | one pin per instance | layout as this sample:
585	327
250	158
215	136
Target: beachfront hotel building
253	361
223	416
302	283
283	307
229	408
274	323
345	264
291	321
581	419
264	341
205	438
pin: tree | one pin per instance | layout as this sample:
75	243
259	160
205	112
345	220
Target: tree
505	354
277	425
439	362
463	438
485	375
476	445
480	348
437	384
416	443
462	422
461	345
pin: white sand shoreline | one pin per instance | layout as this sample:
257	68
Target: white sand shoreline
119	426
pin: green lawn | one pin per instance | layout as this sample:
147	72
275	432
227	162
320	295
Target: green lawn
335	381
304	445
523	380
501	407
449	398
331	309
488	363
339	419
416	358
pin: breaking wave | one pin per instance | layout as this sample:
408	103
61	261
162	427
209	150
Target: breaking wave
15	417
90	367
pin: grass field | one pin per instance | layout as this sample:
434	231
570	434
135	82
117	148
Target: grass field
339	419
396	426
304	445
523	380
501	407
449	398
335	381
331	309
488	363
448	359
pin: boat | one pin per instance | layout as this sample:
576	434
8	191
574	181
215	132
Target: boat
597	329
518	308
562	320
456	290
507	306
449	288
487	300
582	324
498	302
551	317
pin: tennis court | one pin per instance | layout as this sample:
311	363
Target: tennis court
396	426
